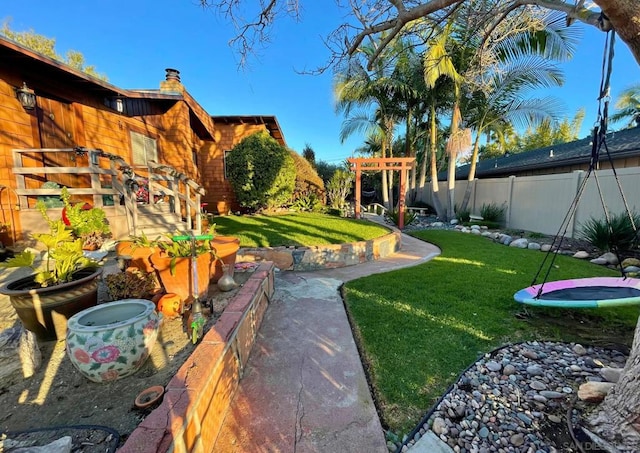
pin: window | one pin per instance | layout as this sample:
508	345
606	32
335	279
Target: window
225	163
143	149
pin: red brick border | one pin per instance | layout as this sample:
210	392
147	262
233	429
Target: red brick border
198	396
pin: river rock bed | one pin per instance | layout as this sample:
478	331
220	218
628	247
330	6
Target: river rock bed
516	399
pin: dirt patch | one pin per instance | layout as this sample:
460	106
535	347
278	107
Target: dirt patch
59	396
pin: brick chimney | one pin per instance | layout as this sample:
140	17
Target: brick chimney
171	83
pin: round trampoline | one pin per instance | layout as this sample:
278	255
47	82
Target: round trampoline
593	292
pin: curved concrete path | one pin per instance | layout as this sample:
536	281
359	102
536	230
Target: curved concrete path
304	388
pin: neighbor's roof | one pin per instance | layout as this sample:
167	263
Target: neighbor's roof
621	144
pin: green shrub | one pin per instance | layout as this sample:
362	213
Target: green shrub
326	170
621	236
309	186
462	216
310	203
262	172
492	212
394	217
83	218
339	188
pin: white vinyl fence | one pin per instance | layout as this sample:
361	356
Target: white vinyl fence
540	203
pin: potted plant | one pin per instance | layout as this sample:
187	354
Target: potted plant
136	251
63	283
131	284
173	265
86	222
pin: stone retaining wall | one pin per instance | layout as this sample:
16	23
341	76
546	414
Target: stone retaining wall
324	256
197	398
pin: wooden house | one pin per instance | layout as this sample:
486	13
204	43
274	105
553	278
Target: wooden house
47	106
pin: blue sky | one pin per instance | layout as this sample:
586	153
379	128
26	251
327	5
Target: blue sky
133	41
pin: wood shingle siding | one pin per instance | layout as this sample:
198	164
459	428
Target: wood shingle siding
77	110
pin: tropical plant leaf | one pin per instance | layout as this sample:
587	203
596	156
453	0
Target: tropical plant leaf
24	259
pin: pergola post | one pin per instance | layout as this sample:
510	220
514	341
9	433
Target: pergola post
358	187
376	164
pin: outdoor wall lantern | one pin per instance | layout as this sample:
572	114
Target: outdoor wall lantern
26	96
119	105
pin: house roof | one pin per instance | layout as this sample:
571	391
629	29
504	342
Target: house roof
621	144
39	69
269	121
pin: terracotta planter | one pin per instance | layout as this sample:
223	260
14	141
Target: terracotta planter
180	281
112	340
149	397
45	311
226	249
138	256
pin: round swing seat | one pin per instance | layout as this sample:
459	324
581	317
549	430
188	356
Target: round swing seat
595	292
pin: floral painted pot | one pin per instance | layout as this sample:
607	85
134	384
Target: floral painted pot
112	340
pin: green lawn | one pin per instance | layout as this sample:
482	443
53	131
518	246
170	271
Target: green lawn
296	229
420	327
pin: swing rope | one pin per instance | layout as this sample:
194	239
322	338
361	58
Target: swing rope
598	141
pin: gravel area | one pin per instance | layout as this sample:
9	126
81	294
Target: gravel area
520	398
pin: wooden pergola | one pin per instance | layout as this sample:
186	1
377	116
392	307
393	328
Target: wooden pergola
402	164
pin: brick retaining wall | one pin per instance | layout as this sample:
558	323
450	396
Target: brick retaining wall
197	398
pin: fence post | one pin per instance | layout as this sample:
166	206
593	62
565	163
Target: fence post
512	180
577	177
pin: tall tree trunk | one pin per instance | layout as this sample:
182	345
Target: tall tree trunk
385	185
451	185
624	16
389	136
423	166
392	204
434	167
452	152
472	173
617	420
409	152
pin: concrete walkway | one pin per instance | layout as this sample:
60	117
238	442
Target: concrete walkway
304	388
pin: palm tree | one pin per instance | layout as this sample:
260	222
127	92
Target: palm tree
356	87
629	105
439	62
496	74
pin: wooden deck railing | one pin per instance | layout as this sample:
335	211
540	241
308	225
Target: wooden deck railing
105	179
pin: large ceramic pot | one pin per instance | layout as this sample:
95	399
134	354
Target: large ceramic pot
112	340
45	311
180	280
226	249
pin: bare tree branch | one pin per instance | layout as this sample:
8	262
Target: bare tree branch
392	18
